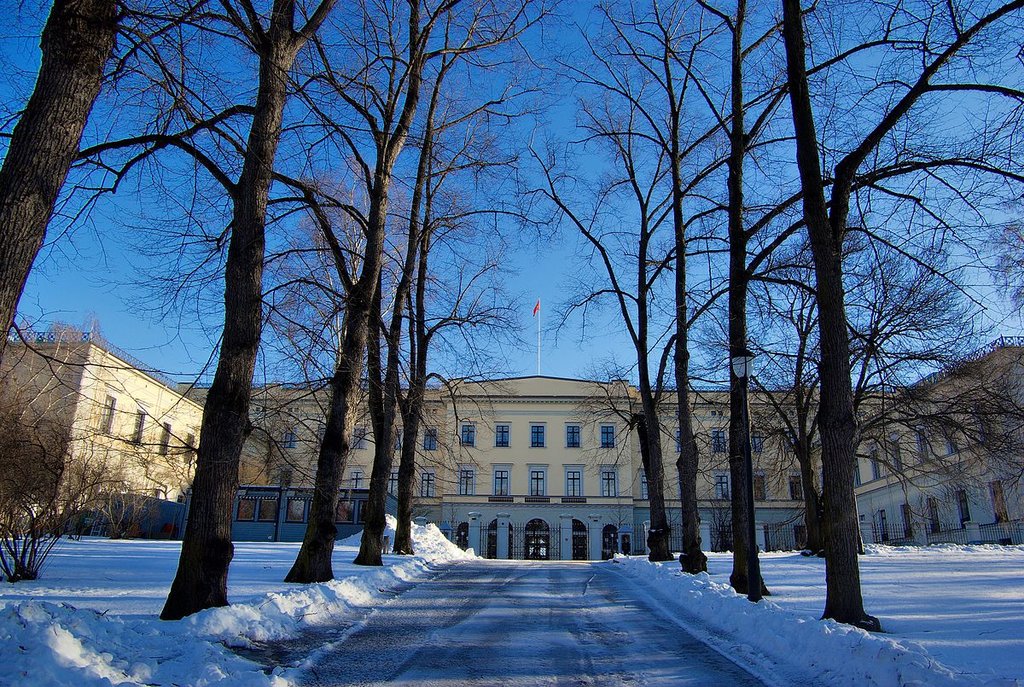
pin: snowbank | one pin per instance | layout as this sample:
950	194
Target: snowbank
794	646
45	643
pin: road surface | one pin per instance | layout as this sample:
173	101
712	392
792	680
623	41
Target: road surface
518	623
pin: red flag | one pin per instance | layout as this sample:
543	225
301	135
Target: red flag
536	308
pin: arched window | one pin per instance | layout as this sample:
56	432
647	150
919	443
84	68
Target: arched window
609	541
462	535
579	540
538	540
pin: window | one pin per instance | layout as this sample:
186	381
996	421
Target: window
537	477
908	521
427	483
246	510
359	438
760	488
140	426
468	434
574	482
679	440
393	482
933	515
608	482
501	481
355	479
607	436
718	444
883	525
343	511
190	442
501	433
856	474
430	439
536	436
466	482
644	493
796	488
165	439
876	466
757	443
296	510
107	416
398	438
998	501
288	439
922	444
721	486
895	456
267	511
963	505
572	436
951	447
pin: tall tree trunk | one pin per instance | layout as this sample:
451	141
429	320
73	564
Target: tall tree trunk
649	432
77	41
837	424
739	426
206	551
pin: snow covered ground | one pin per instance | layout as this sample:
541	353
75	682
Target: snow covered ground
90	620
953	615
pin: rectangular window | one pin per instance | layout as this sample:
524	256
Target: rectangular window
501	482
995	488
501	436
722	486
359	440
165	439
760	489
574	482
608	483
398	438
922	444
644	493
288	439
430	439
963	505
607	436
246	510
572	436
757	443
107	416
468	435
856	474
679	440
908	521
718	443
296	510
796	488
466	482
895	456
267	511
876	466
393	482
140	427
933	515
537	483
427	484
355	479
536	436
190	442
883	526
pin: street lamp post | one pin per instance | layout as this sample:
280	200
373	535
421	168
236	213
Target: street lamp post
742	362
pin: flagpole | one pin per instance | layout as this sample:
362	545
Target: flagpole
538	339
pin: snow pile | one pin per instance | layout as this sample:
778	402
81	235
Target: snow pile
794	645
56	644
427	540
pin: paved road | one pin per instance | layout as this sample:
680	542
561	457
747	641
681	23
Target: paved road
518	624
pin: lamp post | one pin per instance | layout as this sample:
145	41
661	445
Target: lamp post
742	364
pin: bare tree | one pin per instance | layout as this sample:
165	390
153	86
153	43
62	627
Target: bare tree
77	42
942	37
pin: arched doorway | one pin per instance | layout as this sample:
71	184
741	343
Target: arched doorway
538	540
462	535
492	540
609	541
579	541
